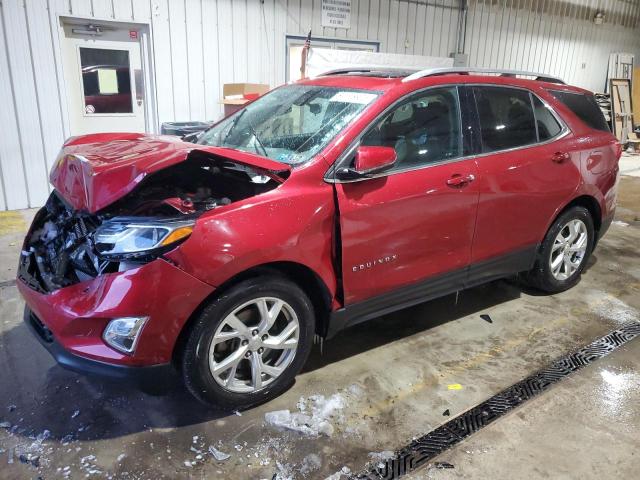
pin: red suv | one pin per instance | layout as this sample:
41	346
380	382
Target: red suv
318	206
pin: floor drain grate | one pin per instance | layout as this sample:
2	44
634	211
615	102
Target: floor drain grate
423	449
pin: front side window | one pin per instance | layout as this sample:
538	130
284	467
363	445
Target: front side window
290	124
506	118
423	129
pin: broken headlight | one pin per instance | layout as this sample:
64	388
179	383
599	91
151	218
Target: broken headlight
136	238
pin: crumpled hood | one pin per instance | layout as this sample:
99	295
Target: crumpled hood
93	171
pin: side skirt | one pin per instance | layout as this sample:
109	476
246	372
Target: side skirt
438	286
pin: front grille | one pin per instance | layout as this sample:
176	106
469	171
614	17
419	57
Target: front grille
40	328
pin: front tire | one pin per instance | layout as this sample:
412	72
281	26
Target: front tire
248	344
564	252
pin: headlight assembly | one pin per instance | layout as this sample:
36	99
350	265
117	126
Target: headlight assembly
136	238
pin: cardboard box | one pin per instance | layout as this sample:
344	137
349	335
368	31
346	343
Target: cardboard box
234	95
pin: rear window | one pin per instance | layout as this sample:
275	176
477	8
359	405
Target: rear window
585	108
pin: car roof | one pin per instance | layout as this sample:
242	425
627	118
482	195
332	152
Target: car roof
385	80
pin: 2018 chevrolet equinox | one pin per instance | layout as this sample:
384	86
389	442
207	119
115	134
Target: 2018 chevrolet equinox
321	204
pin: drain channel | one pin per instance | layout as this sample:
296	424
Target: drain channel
423	449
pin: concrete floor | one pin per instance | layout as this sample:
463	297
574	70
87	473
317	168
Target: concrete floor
381	384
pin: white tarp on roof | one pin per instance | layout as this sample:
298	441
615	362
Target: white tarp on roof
324	59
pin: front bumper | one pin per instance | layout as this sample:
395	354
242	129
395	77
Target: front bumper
76	316
162	374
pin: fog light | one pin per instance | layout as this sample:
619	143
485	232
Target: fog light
123	333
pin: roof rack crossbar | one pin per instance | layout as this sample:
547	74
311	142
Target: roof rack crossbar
466	71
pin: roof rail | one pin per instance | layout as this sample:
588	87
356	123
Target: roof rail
467	70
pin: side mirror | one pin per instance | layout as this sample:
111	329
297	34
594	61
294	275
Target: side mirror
369	161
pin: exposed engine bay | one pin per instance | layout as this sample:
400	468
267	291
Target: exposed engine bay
65	246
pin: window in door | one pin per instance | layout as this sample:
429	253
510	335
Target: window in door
548	126
506	118
106	80
423	129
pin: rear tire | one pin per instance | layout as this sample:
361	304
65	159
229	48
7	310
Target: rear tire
232	358
564	252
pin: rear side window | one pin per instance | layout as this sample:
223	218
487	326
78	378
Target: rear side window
506	118
548	126
584	107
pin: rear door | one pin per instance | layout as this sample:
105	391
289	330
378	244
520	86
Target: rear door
528	167
416	221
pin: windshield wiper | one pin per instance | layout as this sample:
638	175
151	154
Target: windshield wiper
251	130
255	135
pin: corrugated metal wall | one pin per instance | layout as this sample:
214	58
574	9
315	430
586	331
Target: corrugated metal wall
200	44
555	37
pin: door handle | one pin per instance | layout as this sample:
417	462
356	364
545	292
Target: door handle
458	180
560	157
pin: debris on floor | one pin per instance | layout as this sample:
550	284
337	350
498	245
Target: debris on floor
486	318
310	463
217	454
620	223
443	465
446	413
343	473
380	457
313	418
454	386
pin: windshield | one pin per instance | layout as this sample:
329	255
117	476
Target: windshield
290	124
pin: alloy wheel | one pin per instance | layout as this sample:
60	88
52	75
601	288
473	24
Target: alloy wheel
254	345
569	249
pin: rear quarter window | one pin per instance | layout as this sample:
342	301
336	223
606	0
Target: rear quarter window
584	107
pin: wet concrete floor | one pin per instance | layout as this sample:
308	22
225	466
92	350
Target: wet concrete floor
378	385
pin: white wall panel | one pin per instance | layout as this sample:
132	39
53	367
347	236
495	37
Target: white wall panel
197	45
27	120
553	37
163	64
194	43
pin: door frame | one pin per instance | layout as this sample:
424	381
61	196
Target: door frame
145	34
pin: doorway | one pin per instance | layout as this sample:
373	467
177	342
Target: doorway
104	77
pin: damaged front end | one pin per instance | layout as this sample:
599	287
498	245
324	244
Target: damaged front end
66	246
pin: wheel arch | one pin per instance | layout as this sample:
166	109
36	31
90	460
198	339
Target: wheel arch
591	204
587	201
303	276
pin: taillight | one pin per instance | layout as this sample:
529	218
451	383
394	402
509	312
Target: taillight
618	150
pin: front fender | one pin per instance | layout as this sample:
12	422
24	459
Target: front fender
286	225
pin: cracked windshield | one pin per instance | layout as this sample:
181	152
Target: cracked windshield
290	124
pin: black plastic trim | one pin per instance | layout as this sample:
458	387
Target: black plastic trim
153	375
421	450
444	284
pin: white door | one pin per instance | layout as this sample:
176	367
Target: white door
103	77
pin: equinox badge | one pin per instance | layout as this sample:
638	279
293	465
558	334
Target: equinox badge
373	263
